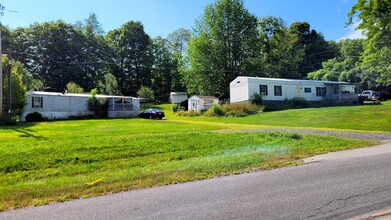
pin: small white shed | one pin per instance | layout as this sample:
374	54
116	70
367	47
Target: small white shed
54	105
200	103
178	97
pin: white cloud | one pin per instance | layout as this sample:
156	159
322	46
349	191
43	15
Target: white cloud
352	32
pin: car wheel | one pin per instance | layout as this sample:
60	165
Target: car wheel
150	117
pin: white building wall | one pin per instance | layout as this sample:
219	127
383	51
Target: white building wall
176	97
57	107
239	90
198	104
60	106
242	88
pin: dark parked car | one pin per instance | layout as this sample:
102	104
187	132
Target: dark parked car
152	113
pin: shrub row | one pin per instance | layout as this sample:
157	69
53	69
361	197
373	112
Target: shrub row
232	110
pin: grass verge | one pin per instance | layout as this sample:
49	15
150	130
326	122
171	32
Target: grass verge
58	161
367	117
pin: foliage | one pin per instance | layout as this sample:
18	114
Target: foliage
90	160
375	16
131	54
256	99
190	113
97	105
294	103
18	89
178	45
146	93
240	109
52	51
232	110
74	88
110	85
225	46
214	111
163	69
34	117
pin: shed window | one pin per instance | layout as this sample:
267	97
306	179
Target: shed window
321	91
263	89
37	102
307	90
277	90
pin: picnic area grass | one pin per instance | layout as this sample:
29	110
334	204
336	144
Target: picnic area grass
49	162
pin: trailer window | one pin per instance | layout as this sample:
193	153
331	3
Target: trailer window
37	102
321	91
277	90
307	90
263	89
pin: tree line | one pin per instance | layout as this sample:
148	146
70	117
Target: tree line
227	41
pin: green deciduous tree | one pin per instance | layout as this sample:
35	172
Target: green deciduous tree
375	22
74	88
131	53
110	85
18	90
146	93
278	55
225	46
163	69
178	44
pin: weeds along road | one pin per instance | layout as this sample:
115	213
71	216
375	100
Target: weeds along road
339	185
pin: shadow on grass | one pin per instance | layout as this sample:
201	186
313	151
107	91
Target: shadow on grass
23	128
26	132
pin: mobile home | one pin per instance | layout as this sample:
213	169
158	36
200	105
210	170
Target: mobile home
278	90
62	105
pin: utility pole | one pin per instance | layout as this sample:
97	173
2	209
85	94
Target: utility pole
2	8
9	84
1	78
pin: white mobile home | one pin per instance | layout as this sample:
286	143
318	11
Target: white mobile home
60	106
278	90
200	103
178	97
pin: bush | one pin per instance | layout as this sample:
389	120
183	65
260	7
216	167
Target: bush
294	103
256	99
175	107
6	120
240	109
190	113
34	117
98	105
299	102
214	111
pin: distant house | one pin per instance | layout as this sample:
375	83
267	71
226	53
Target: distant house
178	97
59	106
200	103
277	90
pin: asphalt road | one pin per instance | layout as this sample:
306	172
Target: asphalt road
332	186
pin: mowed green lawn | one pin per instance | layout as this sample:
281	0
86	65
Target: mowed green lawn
366	117
57	161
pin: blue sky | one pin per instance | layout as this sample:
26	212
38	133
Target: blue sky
161	17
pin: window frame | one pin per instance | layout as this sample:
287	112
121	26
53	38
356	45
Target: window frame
307	90
277	90
35	100
263	89
321	91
